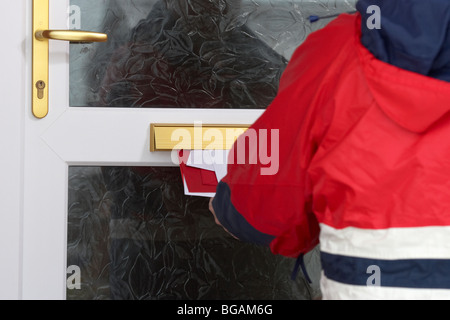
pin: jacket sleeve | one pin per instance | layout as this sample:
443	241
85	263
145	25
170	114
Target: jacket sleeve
231	219
266	196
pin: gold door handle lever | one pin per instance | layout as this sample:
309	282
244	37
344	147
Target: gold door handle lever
41	34
71	35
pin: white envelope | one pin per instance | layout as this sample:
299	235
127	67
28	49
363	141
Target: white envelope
200	159
213	160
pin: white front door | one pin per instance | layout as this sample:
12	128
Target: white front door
90	212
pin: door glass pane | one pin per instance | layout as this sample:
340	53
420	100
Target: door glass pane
133	234
188	53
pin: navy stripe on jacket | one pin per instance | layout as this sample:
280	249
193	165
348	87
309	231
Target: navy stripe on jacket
233	221
405	273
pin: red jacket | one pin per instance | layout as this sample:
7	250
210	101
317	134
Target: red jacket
364	169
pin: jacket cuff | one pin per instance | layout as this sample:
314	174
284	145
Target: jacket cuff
233	221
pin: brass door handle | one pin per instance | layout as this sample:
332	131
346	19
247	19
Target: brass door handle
71	35
40	40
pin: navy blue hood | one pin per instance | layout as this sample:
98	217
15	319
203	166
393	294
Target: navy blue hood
414	35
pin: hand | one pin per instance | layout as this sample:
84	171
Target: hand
211	208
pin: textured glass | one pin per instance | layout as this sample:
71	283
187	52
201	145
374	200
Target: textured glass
133	234
188	53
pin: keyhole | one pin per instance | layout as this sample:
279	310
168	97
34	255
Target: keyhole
40	85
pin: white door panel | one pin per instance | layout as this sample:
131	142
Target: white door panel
100	136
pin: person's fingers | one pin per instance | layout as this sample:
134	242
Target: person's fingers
211	206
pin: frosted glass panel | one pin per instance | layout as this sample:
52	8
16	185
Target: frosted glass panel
133	234
188	53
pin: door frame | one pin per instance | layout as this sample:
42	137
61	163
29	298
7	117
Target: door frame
14	95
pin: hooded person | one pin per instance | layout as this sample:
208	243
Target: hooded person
361	128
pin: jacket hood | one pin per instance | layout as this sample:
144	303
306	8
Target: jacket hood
407	61
414	35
